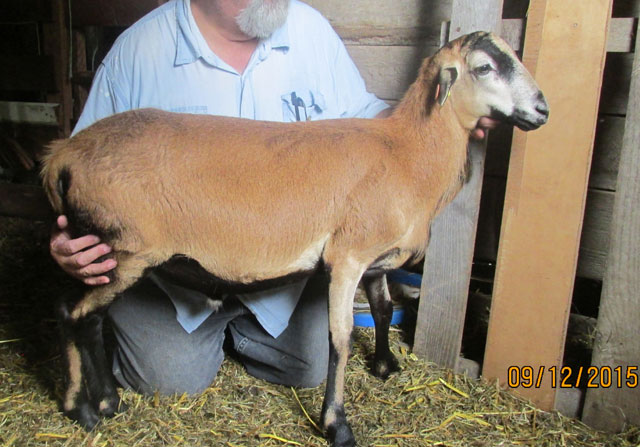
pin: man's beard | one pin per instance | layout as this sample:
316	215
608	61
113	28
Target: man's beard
262	17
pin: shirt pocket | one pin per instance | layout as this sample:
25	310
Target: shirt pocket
198	110
303	105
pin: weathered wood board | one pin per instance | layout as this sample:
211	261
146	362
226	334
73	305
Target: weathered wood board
389	70
384	22
564	49
596	228
448	259
617	343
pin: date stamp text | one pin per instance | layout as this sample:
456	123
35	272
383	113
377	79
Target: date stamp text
568	377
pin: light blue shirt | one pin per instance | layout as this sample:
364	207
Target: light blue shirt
163	61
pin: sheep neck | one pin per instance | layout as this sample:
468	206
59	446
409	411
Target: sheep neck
436	140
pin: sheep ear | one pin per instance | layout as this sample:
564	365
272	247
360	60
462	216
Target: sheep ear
448	76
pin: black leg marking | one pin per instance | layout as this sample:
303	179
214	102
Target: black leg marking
101	384
333	415
90	386
343	282
75	403
384	362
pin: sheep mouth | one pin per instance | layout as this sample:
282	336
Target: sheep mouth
532	120
525	124
520	119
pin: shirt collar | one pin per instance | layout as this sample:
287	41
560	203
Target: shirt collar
190	43
187	48
280	37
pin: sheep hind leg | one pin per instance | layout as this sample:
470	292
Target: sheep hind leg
90	389
90	386
384	362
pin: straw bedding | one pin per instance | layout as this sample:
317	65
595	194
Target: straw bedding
421	406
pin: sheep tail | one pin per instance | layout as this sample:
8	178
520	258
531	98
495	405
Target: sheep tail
56	179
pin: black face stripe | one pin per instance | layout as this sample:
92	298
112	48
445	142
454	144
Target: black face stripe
470	39
504	61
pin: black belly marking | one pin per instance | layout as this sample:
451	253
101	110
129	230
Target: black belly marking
187	272
385	262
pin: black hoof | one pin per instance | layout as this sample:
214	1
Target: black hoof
109	407
341	435
384	367
84	415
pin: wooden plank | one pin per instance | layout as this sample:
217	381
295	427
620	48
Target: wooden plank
470	16
380	14
388	71
621	35
407	32
81	78
381	22
617	343
24	201
606	152
388	36
447	267
512	32
57	45
38	113
564	49
594	243
615	88
619	39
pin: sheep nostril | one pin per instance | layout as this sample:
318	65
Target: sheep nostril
542	109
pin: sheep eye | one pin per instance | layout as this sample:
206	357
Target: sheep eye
483	70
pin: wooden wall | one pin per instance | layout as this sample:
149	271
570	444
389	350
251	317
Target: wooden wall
388	39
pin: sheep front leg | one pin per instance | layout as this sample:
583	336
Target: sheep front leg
342	289
384	362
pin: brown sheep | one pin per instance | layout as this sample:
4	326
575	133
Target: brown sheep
243	202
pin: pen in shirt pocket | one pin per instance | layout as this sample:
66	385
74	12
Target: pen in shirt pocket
298	103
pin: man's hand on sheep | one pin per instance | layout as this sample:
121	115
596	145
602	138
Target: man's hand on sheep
76	256
485	123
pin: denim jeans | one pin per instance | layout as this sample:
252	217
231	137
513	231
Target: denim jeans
154	353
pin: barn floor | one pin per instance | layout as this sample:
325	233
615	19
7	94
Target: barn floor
422	406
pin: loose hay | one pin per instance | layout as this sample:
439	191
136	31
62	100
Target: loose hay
422	406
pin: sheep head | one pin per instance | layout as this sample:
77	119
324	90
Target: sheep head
482	78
